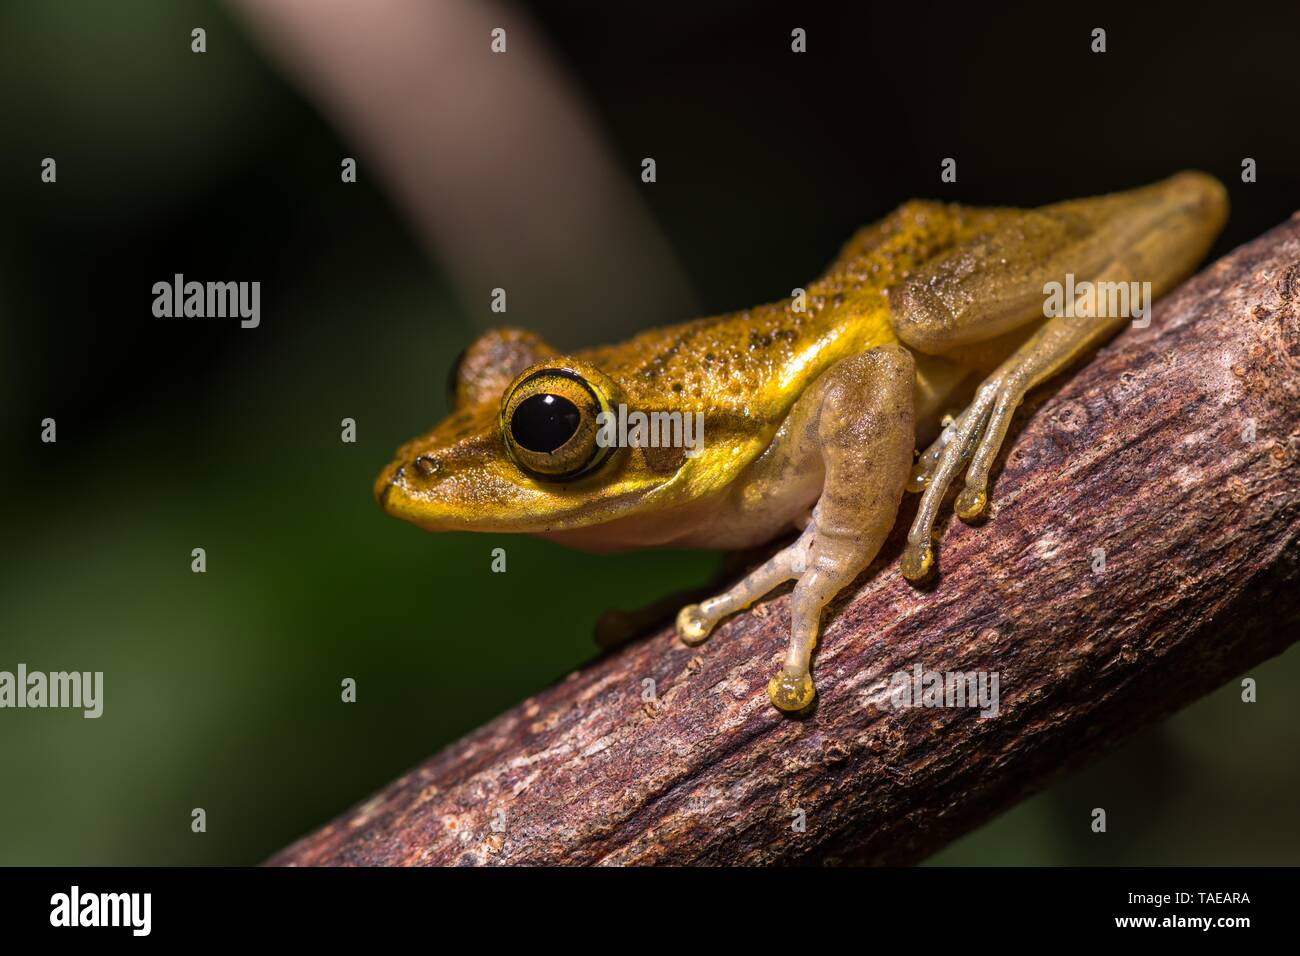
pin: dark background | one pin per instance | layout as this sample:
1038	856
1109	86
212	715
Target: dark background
222	689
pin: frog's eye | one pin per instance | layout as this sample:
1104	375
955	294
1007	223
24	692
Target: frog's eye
549	422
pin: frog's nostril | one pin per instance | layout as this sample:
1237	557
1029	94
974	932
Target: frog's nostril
427	465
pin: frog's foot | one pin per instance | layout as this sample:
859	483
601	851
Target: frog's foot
917	561
695	622
928	460
975	436
791	689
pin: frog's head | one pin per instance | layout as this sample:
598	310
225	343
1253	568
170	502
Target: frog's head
523	451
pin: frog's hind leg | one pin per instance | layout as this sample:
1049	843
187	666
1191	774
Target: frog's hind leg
1140	243
976	435
857	420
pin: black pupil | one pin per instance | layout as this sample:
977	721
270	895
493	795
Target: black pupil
544	422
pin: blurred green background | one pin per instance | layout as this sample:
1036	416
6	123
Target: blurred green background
222	689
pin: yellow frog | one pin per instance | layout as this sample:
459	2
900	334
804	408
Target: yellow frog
816	402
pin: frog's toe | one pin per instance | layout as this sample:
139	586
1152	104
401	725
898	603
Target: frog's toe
926	463
917	562
791	690
1008	392
693	625
971	443
970	503
942	462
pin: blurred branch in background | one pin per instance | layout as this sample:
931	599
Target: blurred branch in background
494	158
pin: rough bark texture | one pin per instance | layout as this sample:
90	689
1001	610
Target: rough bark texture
1146	453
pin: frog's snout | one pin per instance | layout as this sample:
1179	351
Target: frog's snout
398	492
429	491
395	475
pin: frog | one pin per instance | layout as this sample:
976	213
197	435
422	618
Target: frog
896	371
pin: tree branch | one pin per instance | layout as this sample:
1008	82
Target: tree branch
1174	451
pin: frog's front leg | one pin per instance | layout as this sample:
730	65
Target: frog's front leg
857	423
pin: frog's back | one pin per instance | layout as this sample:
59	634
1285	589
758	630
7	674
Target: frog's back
756	362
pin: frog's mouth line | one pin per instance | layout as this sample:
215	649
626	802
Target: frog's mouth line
610	522
384	488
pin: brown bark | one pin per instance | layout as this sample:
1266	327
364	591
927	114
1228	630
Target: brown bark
1145	453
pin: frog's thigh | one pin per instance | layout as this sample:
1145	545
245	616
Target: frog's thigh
992	284
858	418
